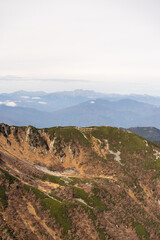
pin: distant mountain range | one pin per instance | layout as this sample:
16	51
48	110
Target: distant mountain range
79	108
50	102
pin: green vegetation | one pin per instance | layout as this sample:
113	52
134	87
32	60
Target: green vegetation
3	197
68	134
74	180
9	177
56	197
6	228
59	212
119	139
92	200
151	133
37	192
102	234
54	179
80	193
33	129
23	128
95	156
141	231
153	164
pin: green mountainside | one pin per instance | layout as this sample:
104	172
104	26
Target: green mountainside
151	133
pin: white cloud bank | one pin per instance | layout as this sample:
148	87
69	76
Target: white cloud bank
42	102
36	98
8	104
25	97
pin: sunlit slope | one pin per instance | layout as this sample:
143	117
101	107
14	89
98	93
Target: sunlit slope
78	183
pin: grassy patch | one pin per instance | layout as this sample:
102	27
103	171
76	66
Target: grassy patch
3	197
102	234
107	195
119	139
151	164
68	134
54	179
80	193
56	197
74	180
37	192
59	212
141	231
9	177
92	200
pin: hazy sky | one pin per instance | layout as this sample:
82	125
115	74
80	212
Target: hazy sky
105	45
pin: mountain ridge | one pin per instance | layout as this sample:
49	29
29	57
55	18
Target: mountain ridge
123	113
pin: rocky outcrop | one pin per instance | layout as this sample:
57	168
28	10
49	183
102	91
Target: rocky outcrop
5	129
35	140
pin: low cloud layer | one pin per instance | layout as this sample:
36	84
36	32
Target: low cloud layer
40	102
8	104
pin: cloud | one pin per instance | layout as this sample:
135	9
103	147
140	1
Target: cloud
42	102
8	104
25	97
36	98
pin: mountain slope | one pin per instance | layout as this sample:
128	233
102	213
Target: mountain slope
123	113
78	183
151	133
24	116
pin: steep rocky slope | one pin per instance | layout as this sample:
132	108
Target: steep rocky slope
78	183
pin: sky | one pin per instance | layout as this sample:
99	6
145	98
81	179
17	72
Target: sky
111	46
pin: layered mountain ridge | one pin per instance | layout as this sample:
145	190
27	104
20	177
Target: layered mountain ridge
78	183
79	108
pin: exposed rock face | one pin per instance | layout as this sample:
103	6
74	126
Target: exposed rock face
78	183
5	130
35	140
